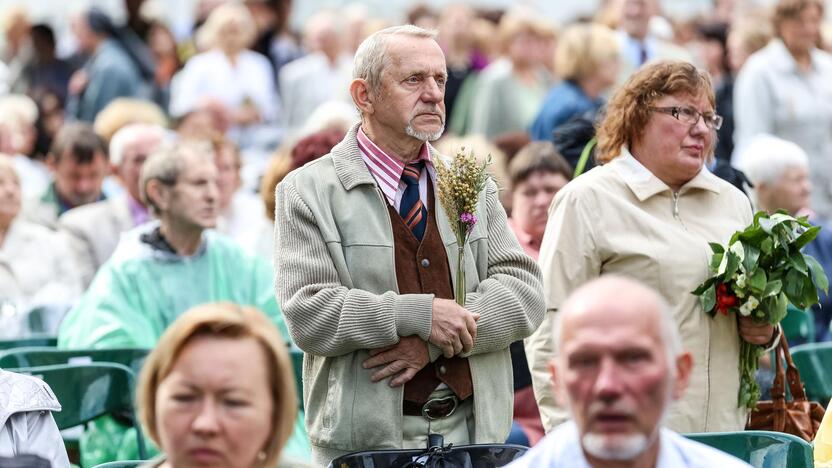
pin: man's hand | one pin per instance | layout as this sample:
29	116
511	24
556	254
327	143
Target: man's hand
403	359
755	332
453	328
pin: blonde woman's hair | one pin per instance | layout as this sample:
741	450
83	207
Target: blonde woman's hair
582	48
124	111
224	320
628	111
208	35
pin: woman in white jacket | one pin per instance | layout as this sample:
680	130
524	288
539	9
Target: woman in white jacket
26	423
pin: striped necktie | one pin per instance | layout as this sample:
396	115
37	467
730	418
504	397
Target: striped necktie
412	210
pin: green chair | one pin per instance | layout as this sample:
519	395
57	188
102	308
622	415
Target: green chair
87	391
814	361
121	464
799	326
50	341
762	449
297	366
132	358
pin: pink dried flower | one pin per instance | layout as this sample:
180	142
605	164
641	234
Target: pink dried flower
468	219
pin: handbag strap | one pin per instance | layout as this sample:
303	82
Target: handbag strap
792	374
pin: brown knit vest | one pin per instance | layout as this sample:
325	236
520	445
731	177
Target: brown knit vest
422	268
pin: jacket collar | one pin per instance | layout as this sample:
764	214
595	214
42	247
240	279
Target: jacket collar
644	184
783	59
349	165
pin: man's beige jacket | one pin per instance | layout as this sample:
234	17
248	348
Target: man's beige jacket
336	284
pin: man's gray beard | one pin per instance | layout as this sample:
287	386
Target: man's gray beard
607	447
424	136
630	446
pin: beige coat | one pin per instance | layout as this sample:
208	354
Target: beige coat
336	284
93	231
620	218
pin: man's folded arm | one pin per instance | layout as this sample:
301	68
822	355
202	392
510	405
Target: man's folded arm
324	316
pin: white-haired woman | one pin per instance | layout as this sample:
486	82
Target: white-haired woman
228	74
35	270
779	170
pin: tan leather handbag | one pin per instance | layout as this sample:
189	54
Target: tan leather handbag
798	417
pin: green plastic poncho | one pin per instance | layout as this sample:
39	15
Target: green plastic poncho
140	291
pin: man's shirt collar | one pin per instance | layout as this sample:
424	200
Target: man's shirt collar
386	169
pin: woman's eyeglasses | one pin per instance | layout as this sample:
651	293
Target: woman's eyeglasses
690	116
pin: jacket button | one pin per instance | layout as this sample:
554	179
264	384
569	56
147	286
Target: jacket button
442	370
425	263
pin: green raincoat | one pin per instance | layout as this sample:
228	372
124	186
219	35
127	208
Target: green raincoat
141	290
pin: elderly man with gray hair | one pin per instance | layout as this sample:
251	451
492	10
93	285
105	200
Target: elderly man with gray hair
363	254
94	230
618	366
167	266
779	170
164	267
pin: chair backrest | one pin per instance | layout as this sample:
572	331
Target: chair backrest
814	361
50	341
763	449
799	326
122	464
87	391
132	358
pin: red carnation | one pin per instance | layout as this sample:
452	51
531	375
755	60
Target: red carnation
725	299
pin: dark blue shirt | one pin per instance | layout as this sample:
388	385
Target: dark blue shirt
821	249
562	103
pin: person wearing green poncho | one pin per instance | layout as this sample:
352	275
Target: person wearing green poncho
160	270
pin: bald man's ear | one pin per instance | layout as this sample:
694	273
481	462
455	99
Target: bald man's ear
362	96
684	366
559	397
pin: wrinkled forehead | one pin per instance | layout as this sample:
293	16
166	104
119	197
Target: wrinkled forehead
606	319
414	54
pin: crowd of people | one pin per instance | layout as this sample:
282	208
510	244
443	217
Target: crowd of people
220	197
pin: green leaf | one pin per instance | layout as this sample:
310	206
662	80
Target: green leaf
767	245
716	248
810	293
752	235
797	262
793	286
716	260
778	309
819	278
705	285
772	288
758	281
708	299
732	264
752	254
737	249
766	224
808	236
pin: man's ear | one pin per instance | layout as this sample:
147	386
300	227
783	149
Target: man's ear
684	366
51	162
158	193
362	96
559	395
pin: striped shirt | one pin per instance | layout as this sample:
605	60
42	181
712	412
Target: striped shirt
387	170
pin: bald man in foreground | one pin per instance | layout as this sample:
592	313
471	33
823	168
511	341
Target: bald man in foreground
618	365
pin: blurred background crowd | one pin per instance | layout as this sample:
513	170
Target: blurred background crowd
89	91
